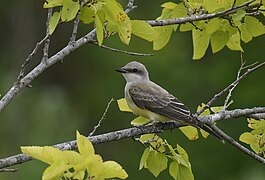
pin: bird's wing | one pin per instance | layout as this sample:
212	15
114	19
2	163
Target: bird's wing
155	99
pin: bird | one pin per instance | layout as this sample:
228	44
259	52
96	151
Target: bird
147	99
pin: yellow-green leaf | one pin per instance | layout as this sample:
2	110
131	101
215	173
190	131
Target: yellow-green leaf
249	138
204	133
213	25
190	132
139	121
200	43
245	35
99	27
52	3
54	21
87	15
213	5
113	170
118	20
254	26
156	162
219	40
164	34
183	153
85	147
234	42
144	158
180	172
123	106
46	154
186	27
56	170
169	5
69	10
144	30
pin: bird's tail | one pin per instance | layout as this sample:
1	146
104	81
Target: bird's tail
206	128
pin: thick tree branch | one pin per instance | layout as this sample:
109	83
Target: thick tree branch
136	131
182	20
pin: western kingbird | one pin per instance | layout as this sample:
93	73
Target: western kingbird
149	100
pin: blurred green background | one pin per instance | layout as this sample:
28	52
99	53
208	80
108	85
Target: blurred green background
73	95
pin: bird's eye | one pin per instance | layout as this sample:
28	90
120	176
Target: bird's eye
135	70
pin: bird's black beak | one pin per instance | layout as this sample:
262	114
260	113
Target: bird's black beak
121	70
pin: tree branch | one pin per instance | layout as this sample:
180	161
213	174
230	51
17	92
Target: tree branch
136	131
237	145
122	51
193	18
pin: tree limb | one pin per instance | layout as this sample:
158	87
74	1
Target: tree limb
136	131
193	18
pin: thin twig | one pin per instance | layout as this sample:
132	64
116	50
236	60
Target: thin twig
35	50
8	170
233	87
250	70
123	51
233	5
74	33
130	6
231	141
47	41
102	118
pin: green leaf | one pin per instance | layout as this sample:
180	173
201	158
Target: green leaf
256	124
99	27
144	158
139	121
190	132
156	162
219	40
213	25
123	106
144	30
113	170
186	27
52	3
54	21
249	138
69	10
234	42
118	20
200	43
245	35
164	34
180	172
87	15
85	147
254	26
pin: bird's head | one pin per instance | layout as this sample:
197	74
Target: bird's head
134	71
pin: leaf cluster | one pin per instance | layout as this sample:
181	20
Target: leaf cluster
256	137
73	165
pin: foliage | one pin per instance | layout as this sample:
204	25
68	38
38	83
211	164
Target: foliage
72	165
109	18
256	137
